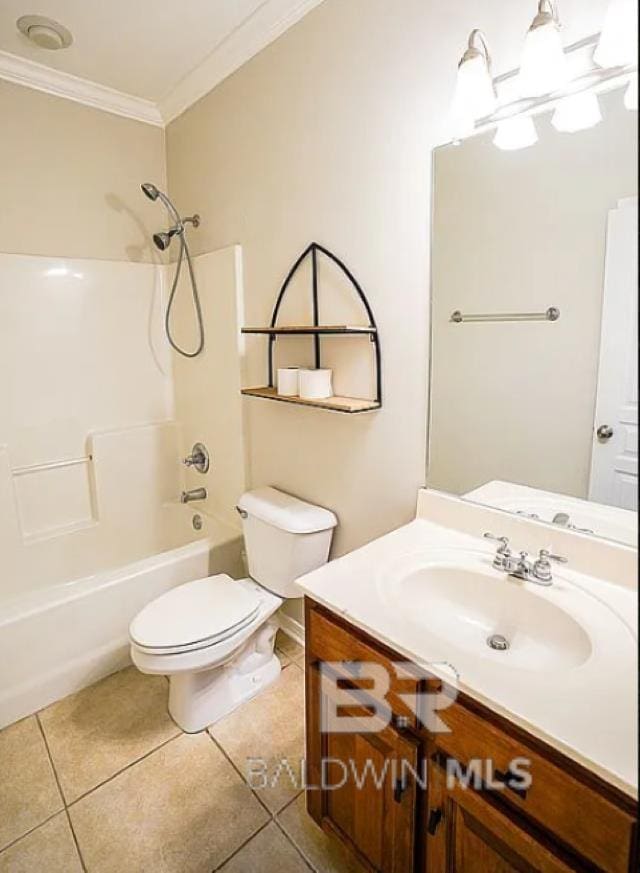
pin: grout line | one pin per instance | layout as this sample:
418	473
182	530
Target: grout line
75	840
241	775
66	808
242	845
50	756
123	770
31	830
290	840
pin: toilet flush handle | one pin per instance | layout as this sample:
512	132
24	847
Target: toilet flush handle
242	512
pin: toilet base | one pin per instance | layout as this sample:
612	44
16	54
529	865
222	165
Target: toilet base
198	700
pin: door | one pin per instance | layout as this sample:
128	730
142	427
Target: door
467	833
371	796
614	459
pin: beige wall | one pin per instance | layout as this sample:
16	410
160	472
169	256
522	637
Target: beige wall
519	232
70	179
327	135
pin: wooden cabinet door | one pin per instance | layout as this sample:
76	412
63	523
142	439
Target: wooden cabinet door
371	796
466	833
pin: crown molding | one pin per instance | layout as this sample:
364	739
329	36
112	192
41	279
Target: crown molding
270	20
26	72
263	27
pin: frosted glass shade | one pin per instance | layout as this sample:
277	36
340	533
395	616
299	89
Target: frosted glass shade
475	96
515	133
618	43
577	112
544	66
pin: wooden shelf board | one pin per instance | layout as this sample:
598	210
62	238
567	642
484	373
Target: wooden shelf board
335	404
336	329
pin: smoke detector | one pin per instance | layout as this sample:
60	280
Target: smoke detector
44	32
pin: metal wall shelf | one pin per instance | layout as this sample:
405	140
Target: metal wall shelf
318	330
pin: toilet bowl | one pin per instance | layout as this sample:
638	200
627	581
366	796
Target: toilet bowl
214	637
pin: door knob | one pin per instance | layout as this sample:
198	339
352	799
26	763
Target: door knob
604	432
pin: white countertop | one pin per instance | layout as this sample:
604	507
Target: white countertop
588	711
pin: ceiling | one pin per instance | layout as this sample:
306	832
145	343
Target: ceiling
149	49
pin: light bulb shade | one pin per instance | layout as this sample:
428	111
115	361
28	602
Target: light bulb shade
631	94
577	112
475	95
460	124
544	66
515	133
618	45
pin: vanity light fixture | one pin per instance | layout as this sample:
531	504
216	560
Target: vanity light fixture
618	45
475	95
517	132
544	66
577	112
631	94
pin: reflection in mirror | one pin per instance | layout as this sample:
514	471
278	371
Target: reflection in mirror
532	410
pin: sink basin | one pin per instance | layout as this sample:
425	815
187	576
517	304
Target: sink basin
487	614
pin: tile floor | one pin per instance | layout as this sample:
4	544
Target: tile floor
103	781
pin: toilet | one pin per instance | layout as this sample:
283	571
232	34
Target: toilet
214	637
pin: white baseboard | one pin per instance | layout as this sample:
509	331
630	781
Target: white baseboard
291	627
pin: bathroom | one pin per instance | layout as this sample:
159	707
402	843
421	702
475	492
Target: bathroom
414	227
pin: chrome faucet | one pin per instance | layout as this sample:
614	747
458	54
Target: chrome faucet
520	566
194	494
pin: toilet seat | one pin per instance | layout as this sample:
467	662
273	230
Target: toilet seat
193	616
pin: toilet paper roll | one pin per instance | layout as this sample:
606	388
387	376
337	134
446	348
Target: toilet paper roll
288	381
315	384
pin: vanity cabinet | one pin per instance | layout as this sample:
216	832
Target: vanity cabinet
467	833
445	820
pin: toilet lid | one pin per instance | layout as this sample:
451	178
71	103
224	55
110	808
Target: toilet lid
194	613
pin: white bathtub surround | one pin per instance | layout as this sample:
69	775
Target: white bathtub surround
288	381
208	403
214	637
569	676
58	639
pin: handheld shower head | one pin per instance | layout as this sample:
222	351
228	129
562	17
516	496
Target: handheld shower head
163	239
150	190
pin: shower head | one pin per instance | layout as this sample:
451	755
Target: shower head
150	190
163	239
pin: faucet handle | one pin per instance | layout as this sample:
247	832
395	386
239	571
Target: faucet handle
542	567
545	555
504	542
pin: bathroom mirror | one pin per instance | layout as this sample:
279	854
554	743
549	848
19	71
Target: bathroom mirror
533	390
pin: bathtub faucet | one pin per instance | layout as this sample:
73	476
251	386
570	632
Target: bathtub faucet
194	494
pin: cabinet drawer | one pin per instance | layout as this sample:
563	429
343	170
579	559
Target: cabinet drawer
329	641
584	820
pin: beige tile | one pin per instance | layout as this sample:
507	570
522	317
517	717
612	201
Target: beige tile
28	791
183	809
49	848
326	854
289	647
264	732
269	852
100	730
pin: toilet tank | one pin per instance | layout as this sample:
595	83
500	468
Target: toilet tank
284	537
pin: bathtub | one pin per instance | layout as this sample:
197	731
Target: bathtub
61	638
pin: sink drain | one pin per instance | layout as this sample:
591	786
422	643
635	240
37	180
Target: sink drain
498	642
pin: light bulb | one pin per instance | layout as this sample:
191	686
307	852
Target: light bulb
544	66
618	45
475	95
577	112
631	94
515	133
